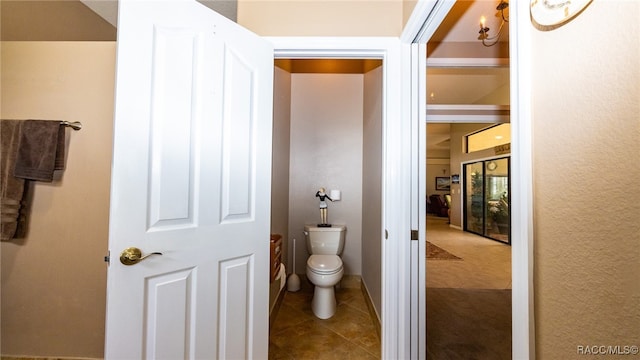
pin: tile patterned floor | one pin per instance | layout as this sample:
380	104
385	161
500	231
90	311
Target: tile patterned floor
350	334
468	308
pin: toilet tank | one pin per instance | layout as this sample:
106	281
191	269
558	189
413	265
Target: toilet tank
325	240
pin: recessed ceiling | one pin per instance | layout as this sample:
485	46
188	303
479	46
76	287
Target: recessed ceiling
477	85
457	35
438	137
460	69
463	21
328	66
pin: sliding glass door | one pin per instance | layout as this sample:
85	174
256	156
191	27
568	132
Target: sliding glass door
474	197
486	199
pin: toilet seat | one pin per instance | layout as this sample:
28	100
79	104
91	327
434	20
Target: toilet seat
324	264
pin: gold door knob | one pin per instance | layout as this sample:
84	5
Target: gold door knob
133	255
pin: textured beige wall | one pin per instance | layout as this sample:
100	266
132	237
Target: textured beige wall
372	187
586	118
52	20
326	150
322	18
54	280
407	9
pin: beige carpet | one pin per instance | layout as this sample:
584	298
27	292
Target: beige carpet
435	252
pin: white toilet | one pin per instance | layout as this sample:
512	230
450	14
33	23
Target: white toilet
324	266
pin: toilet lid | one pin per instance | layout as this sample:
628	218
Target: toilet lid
323	264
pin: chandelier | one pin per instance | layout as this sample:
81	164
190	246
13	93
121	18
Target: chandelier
484	30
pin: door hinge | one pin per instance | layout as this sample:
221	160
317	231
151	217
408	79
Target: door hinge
107	258
386	234
414	234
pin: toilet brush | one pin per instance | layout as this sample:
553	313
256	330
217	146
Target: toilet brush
293	284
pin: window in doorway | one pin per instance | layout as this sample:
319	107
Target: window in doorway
487	138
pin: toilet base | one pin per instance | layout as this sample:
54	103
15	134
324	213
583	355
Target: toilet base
323	304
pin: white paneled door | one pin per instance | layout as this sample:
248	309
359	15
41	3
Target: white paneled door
191	182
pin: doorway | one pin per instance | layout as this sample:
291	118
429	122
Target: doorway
480	107
468	277
327	133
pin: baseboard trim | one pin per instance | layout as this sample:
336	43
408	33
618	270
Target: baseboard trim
276	308
372	310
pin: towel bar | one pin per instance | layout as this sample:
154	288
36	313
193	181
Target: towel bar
76	125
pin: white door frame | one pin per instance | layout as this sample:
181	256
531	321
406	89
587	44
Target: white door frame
396	168
426	18
417	79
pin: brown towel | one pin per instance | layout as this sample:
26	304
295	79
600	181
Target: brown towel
30	149
40	151
11	188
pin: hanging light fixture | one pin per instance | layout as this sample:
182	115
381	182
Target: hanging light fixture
484	30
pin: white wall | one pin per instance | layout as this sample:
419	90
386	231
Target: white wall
54	280
280	163
326	151
372	235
